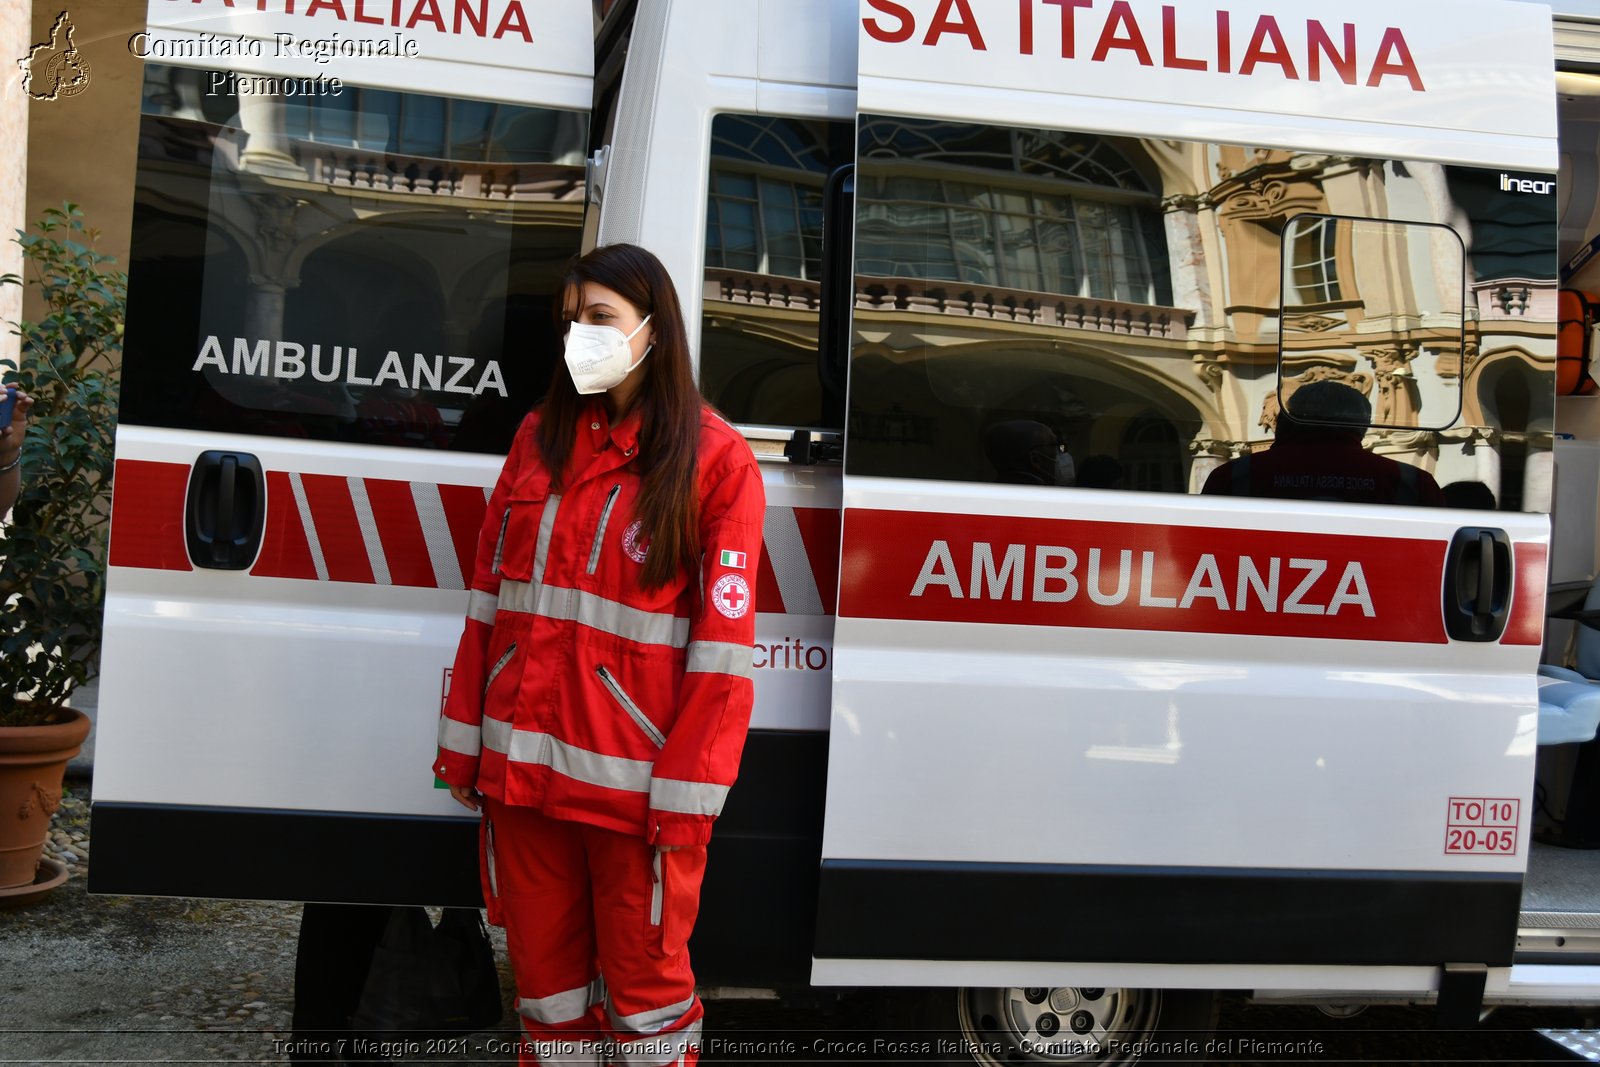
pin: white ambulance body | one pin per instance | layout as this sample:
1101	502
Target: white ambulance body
1052	747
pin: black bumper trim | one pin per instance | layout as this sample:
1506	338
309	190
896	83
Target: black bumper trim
871	909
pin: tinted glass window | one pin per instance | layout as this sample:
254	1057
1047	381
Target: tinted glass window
1066	309
762	296
373	267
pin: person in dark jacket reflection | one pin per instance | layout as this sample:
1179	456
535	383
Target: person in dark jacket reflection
1316	454
1025	452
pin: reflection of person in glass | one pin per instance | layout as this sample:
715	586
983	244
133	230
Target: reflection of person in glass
1316	454
11	438
1025	452
602	689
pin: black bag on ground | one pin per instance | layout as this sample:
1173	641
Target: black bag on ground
431	979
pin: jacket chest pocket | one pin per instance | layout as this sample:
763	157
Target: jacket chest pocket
523	543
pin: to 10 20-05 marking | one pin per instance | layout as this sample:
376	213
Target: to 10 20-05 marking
1481	826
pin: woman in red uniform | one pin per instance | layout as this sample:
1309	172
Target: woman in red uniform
601	692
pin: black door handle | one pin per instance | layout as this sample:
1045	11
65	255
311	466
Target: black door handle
1477	584
226	510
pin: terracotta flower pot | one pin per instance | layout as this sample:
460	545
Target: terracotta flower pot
32	762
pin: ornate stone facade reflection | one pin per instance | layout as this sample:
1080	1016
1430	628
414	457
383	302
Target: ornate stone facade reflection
1426	308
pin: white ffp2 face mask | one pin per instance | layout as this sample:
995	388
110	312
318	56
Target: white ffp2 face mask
597	356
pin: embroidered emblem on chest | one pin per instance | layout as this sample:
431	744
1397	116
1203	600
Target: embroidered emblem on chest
630	543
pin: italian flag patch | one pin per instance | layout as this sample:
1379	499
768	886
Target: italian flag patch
736	560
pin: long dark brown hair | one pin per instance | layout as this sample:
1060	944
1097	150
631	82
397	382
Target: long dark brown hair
670	403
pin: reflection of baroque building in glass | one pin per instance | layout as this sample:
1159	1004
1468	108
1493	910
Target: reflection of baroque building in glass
1135	296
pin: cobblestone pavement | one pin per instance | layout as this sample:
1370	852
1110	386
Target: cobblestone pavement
92	979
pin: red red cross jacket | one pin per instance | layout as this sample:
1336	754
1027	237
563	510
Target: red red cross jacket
575	690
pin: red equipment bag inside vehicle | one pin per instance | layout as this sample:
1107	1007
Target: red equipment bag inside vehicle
1576	315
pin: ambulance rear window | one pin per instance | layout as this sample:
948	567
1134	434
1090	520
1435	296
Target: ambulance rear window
1071	309
365	266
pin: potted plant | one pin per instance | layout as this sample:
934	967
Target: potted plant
52	551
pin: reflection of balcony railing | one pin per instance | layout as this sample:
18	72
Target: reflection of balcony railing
191	141
765	290
949	298
1516	298
387	172
1023	306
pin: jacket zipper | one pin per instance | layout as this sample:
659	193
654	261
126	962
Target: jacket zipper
500	545
639	717
500	664
655	888
600	534
494	875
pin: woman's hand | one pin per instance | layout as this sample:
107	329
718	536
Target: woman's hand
466	796
12	435
668	848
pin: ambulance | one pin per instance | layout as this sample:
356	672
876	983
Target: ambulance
1051	737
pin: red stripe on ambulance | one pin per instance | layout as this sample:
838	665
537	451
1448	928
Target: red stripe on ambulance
1526	624
819	530
314	532
1050	572
769	598
147	515
338	532
404	547
464	506
285	552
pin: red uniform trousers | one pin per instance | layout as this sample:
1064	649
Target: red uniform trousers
597	924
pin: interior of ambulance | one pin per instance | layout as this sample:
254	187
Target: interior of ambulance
1558	891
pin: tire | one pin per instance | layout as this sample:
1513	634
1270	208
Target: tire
1066	1025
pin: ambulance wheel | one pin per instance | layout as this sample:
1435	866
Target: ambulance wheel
1066	1025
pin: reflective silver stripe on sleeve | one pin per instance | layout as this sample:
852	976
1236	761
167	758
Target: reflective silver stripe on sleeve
459	737
540	749
482	606
541	547
650	1022
721	657
659	1050
596	612
687	798
561	1007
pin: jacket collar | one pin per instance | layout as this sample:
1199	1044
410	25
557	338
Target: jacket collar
595	429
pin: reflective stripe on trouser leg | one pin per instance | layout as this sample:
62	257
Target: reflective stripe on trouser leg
652	1013
545	902
660	1050
568	1006
648	1022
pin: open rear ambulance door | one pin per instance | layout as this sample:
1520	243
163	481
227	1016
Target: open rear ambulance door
1093	728
345	238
